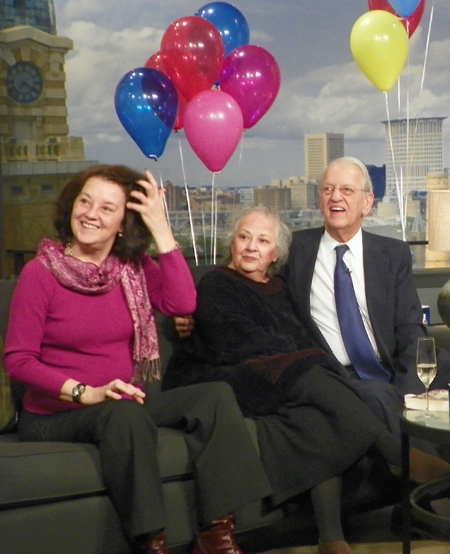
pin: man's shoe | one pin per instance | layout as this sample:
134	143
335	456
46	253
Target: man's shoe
218	539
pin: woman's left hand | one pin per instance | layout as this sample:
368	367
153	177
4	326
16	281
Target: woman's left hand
151	206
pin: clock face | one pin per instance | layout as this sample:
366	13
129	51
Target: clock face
24	82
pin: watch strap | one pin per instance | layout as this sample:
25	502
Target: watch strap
77	391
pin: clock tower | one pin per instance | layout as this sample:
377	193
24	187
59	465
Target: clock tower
33	112
37	154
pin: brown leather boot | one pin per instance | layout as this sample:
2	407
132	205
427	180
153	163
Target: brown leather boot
158	545
144	545
218	539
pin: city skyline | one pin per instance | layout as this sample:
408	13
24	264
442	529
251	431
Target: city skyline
322	89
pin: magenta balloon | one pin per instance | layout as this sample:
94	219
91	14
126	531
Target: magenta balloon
251	76
213	125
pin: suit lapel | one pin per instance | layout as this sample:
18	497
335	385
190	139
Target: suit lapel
305	247
376	273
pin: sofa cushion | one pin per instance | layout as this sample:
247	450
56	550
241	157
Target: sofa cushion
34	472
7	408
38	472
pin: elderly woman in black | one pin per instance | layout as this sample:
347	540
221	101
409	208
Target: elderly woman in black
311	425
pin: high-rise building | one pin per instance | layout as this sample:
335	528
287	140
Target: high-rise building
39	14
304	193
413	150
378	178
276	198
320	150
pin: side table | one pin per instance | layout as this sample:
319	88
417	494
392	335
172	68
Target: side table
436	431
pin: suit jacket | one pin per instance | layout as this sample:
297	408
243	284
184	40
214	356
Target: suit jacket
393	303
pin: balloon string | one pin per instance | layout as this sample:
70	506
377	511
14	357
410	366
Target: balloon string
398	185
408	165
205	248
241	148
166	209
212	225
188	200
426	48
215	225
410	157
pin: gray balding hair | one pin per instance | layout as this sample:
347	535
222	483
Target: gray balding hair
367	181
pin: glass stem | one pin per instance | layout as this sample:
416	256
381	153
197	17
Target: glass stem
427	411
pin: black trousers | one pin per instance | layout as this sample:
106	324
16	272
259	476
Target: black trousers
387	403
228	473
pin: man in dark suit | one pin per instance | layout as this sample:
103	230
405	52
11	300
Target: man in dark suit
381	271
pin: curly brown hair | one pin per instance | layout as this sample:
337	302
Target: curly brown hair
135	239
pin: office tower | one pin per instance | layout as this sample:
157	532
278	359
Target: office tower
320	150
304	193
39	14
276	198
416	151
378	178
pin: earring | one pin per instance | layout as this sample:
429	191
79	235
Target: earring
120	234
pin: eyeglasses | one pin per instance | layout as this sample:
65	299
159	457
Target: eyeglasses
345	190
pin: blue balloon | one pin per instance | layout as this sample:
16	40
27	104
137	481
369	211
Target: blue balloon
230	23
404	8
146	103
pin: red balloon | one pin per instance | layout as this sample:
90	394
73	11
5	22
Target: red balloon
409	23
192	52
182	103
156	62
213	125
251	76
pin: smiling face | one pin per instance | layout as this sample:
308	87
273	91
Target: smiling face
98	215
345	204
254	247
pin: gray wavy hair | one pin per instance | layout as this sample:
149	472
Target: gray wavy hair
367	181
283	236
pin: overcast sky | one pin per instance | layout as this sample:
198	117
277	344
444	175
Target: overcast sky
322	89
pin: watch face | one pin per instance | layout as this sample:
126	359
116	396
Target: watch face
24	82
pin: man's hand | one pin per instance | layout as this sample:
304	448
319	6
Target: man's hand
184	326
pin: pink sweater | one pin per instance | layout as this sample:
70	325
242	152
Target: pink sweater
55	334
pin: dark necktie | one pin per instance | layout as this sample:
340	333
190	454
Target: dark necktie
354	334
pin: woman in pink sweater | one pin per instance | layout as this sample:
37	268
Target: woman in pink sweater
82	339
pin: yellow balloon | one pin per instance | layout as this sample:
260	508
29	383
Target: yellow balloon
379	44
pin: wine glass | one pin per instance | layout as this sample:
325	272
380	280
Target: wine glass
426	369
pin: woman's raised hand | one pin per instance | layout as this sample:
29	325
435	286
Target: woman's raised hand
152	209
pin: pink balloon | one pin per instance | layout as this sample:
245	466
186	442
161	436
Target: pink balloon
213	125
251	76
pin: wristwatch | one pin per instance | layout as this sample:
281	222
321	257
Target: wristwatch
77	391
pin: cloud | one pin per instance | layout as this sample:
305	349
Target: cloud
322	89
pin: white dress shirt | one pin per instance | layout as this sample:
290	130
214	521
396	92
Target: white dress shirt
323	305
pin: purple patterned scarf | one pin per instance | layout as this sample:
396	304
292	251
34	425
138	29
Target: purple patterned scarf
87	278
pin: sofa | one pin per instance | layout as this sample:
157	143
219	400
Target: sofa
53	499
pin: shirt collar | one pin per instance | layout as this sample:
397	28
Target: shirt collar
354	244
